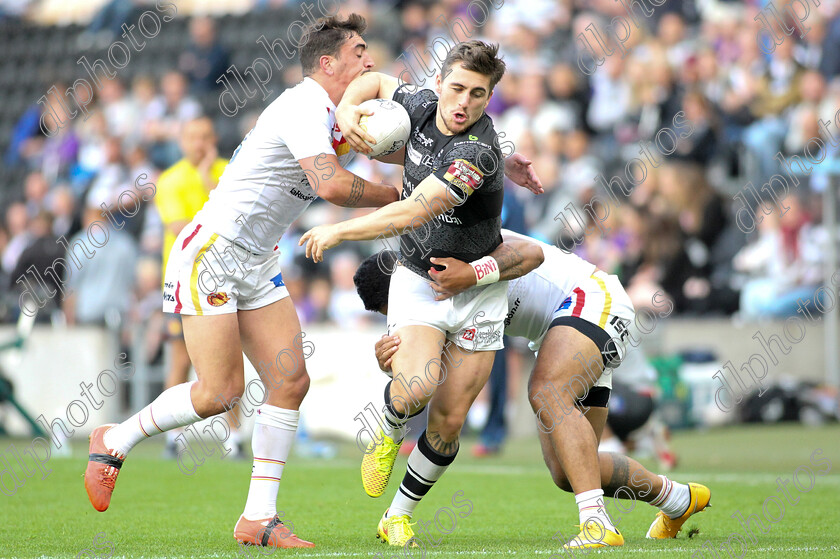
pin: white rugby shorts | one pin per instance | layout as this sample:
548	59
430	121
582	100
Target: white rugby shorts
473	320
601	301
208	275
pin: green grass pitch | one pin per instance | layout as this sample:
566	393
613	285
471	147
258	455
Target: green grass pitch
157	511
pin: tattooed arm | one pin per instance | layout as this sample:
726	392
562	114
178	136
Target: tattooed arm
516	256
336	185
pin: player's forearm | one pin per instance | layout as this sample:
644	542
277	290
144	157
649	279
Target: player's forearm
387	221
517	258
361	89
351	191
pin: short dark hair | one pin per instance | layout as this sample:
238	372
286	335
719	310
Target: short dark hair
372	281
325	36
476	56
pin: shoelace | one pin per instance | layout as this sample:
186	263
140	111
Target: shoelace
389	451
401	526
109	474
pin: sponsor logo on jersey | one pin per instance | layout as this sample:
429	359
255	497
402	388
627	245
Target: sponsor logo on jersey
218	299
469	334
447	218
168	288
423	139
464	175
490	337
298	194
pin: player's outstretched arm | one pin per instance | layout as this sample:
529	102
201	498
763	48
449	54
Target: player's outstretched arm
337	185
373	85
514	258
430	199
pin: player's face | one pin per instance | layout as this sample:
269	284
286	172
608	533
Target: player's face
352	61
464	95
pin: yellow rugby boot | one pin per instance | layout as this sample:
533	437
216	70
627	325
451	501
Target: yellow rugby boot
396	531
664	527
595	534
378	463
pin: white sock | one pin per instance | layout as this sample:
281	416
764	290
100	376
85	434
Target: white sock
395	425
591	506
274	432
173	408
424	468
674	498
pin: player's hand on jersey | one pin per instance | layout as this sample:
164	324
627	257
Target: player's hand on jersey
518	169
385	349
456	277
318	239
347	118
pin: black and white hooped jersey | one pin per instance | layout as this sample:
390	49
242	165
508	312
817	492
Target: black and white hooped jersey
472	167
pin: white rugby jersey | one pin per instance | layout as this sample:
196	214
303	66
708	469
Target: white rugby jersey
263	189
536	296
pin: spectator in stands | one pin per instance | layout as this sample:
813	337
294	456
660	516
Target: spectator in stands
700	146
783	261
35	189
40	254
343	309
122	112
702	218
112	176
803	121
777	92
165	116
204	59
17	224
62	207
101	288
534	113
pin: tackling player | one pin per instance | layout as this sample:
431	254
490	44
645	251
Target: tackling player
568	309
451	206
293	154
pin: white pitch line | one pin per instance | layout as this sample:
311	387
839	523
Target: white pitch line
467	553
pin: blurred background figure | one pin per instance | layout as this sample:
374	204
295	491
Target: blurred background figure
182	191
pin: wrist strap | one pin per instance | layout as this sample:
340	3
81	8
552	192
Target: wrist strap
486	270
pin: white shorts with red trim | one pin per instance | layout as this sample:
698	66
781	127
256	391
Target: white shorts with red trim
601	301
473	320
209	275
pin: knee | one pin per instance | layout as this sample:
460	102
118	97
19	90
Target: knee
413	394
217	397
298	386
540	387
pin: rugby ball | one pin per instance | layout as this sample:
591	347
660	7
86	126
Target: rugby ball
389	125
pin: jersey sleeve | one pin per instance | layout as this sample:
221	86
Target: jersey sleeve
468	166
307	131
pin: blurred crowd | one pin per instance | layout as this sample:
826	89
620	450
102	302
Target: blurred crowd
696	63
